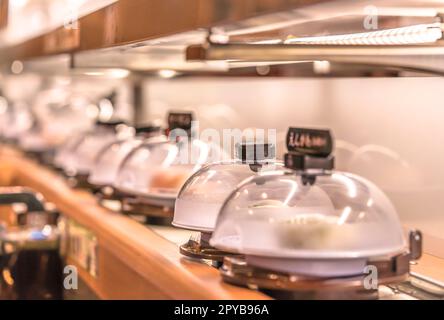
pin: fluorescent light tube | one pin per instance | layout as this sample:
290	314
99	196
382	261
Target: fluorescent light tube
417	34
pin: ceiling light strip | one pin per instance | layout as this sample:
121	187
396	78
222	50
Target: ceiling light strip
417	34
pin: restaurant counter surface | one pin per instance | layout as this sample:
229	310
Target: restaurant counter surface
134	262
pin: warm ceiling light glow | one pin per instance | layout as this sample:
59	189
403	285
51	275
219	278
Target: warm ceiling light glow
94	73
268	41
118	73
17	4
108	73
423	33
167	74
17	67
322	67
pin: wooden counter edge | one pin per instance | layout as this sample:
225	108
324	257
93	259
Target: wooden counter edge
154	258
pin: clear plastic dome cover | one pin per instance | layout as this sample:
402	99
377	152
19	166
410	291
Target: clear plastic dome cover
204	193
15	119
80	159
33	140
340	216
107	164
55	123
51	136
160	169
65	151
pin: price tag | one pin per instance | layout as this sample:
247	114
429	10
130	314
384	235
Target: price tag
313	142
180	120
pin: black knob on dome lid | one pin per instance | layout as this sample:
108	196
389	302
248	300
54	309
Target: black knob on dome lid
149	129
309	149
180	120
255	152
110	123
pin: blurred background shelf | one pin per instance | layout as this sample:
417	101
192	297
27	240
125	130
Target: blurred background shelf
147	36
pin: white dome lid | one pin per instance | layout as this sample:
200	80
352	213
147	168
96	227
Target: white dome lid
16	121
203	195
340	216
67	150
82	158
107	164
161	169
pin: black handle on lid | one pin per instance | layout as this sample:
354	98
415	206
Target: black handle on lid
309	149
148	129
297	161
255	152
110	123
180	121
28	197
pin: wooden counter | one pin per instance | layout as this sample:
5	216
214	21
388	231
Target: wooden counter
134	261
